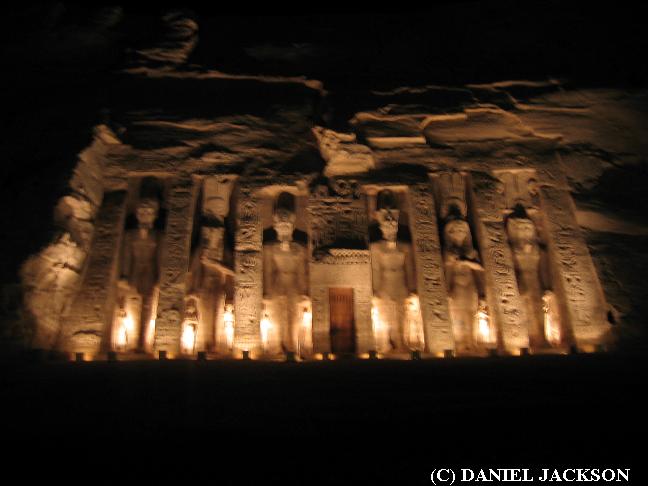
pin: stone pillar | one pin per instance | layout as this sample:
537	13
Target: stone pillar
574	275
248	256
174	264
506	307
85	329
431	285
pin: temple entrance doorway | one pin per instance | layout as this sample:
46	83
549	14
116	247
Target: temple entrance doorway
342	320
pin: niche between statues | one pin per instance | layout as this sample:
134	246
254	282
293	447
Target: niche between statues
534	269
137	287
208	323
395	313
286	317
473	329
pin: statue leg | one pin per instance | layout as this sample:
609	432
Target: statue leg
290	330
278	335
205	312
218	338
536	318
134	310
457	324
395	325
145	322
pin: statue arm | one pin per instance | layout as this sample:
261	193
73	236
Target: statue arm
267	270
410	269
159	249
193	275
126	258
375	268
303	273
545	270
448	264
480	281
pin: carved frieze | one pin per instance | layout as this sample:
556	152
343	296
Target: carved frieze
338	216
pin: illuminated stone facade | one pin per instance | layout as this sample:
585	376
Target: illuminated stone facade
435	257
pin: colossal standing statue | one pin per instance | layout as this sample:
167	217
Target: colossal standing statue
534	281
209	271
137	287
393	276
464	277
285	280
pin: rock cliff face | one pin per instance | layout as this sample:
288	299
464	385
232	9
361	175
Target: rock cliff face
142	87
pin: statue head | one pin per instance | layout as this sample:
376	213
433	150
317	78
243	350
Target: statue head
212	237
146	212
388	223
216	207
284	224
191	307
520	228
521	231
386	199
213	243
457	236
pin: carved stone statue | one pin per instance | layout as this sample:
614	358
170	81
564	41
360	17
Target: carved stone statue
393	276
464	278
208	277
139	276
532	270
285	283
208	270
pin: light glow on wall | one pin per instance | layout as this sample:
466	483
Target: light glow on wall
551	323
416	338
125	329
380	328
188	339
484	329
228	318
306	334
266	328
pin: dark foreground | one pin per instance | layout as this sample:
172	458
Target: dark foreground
342	422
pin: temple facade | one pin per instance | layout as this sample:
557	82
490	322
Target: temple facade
435	258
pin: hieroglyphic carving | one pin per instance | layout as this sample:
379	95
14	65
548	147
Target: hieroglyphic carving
362	310
174	264
339	219
429	270
91	313
575	276
319	298
507	307
248	291
249	236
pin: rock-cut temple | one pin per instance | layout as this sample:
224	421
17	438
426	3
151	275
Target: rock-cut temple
369	256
